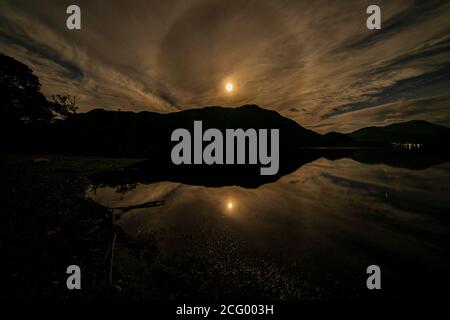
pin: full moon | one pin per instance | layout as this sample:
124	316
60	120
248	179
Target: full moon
229	87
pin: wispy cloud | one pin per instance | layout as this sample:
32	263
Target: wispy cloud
314	61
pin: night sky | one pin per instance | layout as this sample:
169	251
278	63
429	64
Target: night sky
312	61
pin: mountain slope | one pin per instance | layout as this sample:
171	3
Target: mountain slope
146	133
416	131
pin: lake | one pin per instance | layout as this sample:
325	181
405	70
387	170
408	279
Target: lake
311	234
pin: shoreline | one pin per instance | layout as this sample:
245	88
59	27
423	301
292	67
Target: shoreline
52	225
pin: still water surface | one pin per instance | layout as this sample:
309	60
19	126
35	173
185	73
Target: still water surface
321	225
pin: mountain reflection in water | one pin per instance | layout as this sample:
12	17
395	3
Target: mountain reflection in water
325	222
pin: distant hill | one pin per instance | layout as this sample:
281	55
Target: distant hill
247	116
336	139
416	131
148	133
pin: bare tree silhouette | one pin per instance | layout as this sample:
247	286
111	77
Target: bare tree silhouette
64	105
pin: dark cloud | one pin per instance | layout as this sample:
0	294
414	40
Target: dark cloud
416	13
410	88
313	61
42	52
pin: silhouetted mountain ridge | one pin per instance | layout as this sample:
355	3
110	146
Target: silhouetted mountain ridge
148	133
415	131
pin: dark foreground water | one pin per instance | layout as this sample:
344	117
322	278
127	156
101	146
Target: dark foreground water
312	233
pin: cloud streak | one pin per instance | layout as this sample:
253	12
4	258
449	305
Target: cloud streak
314	62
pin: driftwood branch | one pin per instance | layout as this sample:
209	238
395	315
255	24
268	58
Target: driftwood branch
149	204
109	257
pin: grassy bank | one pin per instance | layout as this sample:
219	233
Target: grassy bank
47	225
